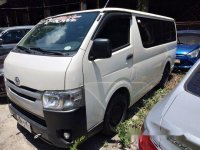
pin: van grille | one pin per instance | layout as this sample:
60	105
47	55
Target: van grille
24	92
23	87
24	96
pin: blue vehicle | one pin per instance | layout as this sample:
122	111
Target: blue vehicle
188	49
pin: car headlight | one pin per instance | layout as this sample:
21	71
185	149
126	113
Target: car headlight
63	100
194	53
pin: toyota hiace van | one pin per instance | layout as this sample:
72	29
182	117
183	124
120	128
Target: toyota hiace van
75	74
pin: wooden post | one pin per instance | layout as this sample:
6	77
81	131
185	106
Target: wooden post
98	4
7	20
46	10
16	19
83	4
28	16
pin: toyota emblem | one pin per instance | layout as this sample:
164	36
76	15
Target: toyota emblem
17	81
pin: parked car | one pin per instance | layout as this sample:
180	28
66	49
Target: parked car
173	124
9	37
188	49
77	73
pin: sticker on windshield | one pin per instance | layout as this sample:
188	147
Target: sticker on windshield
67	48
61	19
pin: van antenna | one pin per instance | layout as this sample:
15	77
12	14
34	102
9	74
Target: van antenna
106	3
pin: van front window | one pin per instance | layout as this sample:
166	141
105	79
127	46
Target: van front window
62	34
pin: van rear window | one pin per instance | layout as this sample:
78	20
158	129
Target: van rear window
193	84
156	32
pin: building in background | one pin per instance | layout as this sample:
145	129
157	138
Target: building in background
29	12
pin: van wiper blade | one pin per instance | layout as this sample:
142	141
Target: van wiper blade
47	51
24	49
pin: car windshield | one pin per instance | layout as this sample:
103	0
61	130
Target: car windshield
193	84
188	38
61	34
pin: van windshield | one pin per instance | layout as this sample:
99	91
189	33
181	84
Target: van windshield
63	34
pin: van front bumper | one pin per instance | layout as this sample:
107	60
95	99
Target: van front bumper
54	124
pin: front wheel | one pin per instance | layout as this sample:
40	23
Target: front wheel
115	113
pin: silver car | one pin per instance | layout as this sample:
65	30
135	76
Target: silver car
174	123
10	36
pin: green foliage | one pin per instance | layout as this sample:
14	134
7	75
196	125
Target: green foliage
77	143
124	134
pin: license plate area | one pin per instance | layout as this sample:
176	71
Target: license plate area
23	123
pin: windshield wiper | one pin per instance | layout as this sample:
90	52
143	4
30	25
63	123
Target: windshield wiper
48	51
24	49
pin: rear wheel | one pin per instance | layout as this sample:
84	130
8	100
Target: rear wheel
115	113
165	77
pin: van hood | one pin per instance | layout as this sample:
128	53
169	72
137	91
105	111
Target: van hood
37	72
181	120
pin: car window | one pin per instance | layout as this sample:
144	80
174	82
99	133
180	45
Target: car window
193	84
13	36
26	31
189	39
156	32
117	29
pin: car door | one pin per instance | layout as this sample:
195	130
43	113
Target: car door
10	39
101	76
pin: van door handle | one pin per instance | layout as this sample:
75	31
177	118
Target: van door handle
130	56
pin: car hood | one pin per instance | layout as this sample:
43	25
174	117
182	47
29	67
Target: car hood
183	49
37	72
181	120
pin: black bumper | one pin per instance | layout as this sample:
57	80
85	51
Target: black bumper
54	124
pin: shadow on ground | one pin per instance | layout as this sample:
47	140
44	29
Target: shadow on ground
3	101
37	143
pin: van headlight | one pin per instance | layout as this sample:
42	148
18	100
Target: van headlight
63	100
194	53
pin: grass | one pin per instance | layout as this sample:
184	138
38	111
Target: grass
133	125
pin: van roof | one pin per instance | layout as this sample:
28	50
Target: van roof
136	13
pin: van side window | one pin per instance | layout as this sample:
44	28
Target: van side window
116	28
156	32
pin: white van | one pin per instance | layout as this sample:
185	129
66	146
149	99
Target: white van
77	73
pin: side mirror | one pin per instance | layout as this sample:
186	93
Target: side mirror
1	41
100	49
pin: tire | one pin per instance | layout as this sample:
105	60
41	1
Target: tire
165	77
115	113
